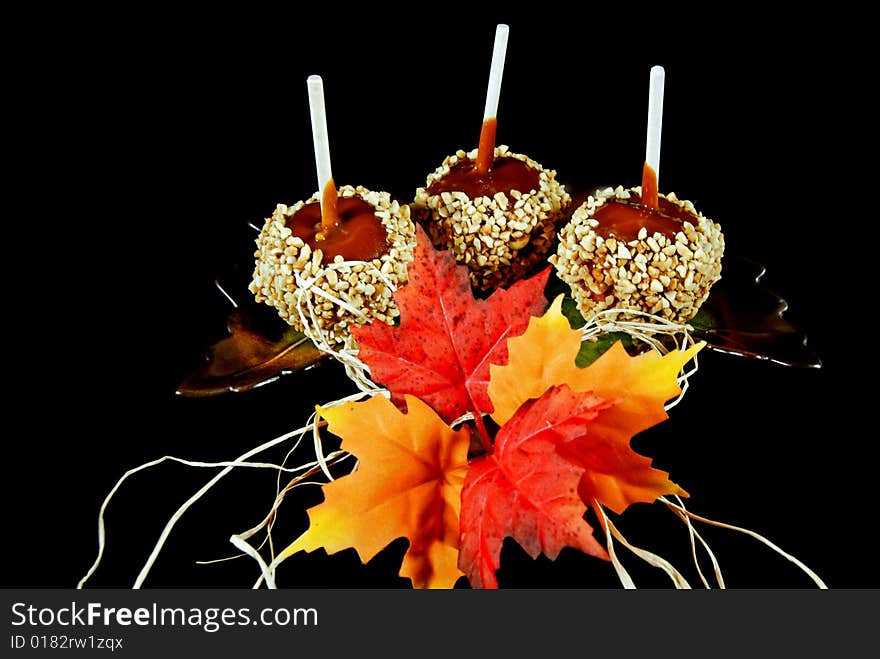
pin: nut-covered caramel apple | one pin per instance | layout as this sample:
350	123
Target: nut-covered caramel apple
497	211
637	250
332	262
501	224
326	281
617	252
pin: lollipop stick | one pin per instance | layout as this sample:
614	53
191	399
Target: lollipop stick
486	151
651	170
321	141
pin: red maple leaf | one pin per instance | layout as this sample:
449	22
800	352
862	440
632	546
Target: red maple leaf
526	489
446	339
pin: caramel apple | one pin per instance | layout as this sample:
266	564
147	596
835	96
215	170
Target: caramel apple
616	252
636	250
501	223
333	260
497	211
323	281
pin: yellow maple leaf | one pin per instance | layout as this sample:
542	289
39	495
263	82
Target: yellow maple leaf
408	482
544	356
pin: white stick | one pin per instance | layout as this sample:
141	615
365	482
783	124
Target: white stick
496	71
319	132
655	119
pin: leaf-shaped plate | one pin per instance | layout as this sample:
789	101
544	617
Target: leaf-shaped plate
740	317
743	317
260	348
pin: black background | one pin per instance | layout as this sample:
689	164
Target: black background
142	146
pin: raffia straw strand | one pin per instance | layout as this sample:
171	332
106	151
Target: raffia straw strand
333	458
228	467
757	536
625	580
270	517
253	553
645	331
355	369
693	533
154	554
651	558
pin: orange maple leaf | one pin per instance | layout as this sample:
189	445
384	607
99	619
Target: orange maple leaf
411	467
544	356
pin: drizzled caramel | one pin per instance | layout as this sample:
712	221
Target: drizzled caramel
358	235
506	174
486	148
622	219
329	213
650	194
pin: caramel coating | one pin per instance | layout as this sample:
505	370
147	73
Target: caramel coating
501	238
288	275
669	276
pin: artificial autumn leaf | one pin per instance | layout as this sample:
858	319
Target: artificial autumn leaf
544	356
446	339
525	489
408	481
